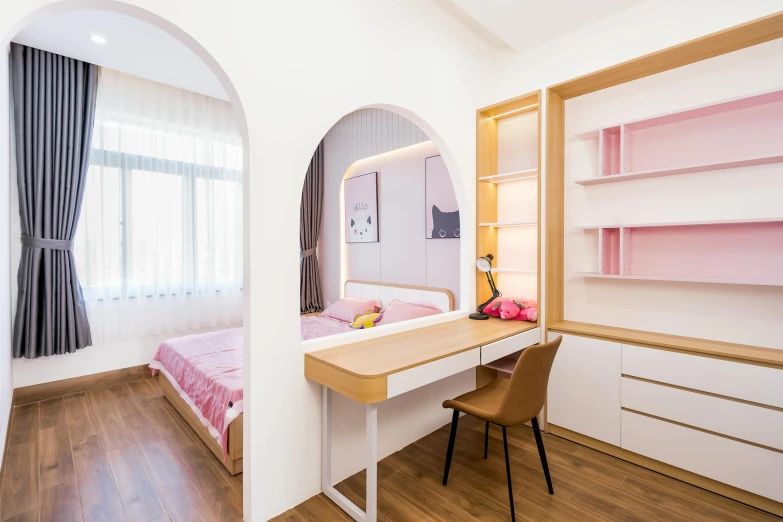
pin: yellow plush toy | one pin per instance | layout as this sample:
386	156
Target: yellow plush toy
366	320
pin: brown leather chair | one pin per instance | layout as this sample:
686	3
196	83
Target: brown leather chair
508	406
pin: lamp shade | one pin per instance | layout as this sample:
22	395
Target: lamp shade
484	263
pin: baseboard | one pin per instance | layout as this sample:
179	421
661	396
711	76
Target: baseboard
740	495
51	390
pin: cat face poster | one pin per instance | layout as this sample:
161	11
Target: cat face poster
440	202
361	208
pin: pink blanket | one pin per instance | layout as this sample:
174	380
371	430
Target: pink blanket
316	326
207	371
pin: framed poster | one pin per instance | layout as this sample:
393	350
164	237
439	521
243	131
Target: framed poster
361	208
440	202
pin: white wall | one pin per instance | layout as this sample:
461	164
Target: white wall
6	380
403	255
296	68
360	134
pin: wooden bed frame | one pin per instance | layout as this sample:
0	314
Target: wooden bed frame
233	462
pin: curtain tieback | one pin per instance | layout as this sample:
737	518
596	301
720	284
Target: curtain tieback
306	253
51	244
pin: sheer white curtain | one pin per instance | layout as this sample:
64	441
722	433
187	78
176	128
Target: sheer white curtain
159	243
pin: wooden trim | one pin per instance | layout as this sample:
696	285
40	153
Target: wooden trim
708	432
84	383
728	40
233	462
702	392
446	291
555	209
733	352
720	488
368	391
5	445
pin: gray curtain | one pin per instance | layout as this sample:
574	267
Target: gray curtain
54	112
310	296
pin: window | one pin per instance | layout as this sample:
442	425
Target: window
161	217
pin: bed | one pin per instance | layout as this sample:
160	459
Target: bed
202	375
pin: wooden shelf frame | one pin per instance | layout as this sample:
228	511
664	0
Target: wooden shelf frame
716	44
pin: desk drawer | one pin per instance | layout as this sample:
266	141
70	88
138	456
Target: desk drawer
735	463
499	349
407	380
736	419
732	379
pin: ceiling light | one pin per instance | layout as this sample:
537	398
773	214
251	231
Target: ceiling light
98	39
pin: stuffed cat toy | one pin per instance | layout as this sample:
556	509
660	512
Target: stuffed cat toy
444	224
365	320
361	229
513	308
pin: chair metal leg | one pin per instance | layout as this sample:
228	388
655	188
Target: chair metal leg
486	439
508	476
454	421
542	454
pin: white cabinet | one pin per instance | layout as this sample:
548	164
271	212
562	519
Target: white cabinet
584	388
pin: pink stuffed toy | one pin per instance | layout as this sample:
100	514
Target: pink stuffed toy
514	309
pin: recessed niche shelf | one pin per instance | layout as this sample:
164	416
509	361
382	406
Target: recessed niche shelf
741	132
741	251
509	224
511	176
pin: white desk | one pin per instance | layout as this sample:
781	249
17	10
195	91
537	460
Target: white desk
375	370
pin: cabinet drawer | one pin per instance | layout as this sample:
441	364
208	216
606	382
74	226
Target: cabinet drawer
407	380
499	349
735	463
743	421
742	381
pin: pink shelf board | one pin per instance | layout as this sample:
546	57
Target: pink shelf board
683	279
658	173
744	221
506	364
699	111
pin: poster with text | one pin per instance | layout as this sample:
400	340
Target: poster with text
361	208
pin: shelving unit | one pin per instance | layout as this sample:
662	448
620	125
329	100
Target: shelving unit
740	132
740	251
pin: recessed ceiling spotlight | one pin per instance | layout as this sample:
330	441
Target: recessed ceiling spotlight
98	39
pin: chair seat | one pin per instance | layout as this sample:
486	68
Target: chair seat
483	403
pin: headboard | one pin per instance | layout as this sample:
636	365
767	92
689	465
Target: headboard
388	292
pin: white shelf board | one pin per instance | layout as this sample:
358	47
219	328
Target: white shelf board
509	224
673	171
683	279
685	223
511	176
513	271
696	111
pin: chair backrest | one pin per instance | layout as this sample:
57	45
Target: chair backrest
527	389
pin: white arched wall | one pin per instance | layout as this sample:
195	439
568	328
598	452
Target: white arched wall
297	67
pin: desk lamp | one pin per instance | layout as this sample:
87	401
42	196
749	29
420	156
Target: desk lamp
485	265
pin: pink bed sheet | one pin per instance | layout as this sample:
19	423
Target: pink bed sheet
207	371
315	326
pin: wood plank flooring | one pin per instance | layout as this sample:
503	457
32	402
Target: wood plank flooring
113	454
124	453
589	485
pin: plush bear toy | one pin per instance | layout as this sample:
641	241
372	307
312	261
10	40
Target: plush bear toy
514	309
365	320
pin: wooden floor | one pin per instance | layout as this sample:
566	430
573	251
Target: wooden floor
120	453
589	486
124	453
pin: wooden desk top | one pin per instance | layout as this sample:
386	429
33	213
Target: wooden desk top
359	370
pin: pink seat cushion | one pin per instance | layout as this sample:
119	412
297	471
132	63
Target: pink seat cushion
401	311
347	308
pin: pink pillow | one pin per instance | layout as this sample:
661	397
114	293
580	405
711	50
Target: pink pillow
347	308
401	311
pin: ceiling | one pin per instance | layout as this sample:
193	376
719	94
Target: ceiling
132	46
523	25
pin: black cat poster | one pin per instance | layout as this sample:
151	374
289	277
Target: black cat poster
361	208
440	202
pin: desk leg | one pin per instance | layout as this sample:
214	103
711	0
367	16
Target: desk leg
372	463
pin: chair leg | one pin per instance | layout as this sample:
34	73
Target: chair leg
452	436
542	454
508	476
486	439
